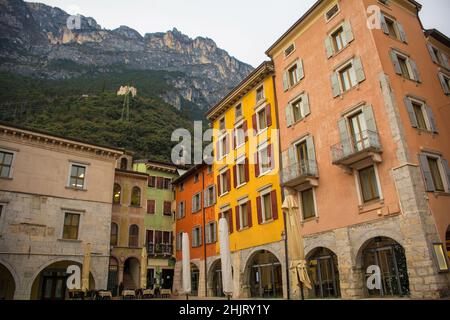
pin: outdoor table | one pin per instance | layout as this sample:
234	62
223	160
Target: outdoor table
105	295
166	293
129	294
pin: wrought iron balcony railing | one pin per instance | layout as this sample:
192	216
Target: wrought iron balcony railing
356	147
296	173
159	249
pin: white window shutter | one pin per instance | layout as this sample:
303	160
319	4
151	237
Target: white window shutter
311	150
289	116
394	58
432	54
415	70
444	84
285	81
384	25
335	84
348	31
401	30
444	57
359	70
329	47
345	138
300	71
411	113
431	119
429	184
292	157
447	170
370	118
306	110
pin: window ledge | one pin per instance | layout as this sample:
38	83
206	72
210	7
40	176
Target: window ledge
260	132
438	194
194	212
267	222
76	189
135	207
241	185
356	87
6	178
337	53
243	229
409	80
224	194
69	240
260	103
371	206
316	219
239	146
265	173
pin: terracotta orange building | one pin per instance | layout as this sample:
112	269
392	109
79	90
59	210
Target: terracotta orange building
364	119
195	194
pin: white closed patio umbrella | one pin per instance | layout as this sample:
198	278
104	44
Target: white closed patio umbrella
186	264
296	251
225	257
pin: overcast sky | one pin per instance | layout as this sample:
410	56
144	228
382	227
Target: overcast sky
244	28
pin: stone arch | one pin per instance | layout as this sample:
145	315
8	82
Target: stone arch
12	271
8	281
254	251
211	278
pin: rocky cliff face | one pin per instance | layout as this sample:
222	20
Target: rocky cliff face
46	42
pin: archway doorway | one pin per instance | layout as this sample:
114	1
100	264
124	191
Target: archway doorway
215	276
324	274
131	274
447	241
265	275
390	257
113	275
195	279
7	284
50	283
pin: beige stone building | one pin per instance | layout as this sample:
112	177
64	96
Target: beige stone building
55	198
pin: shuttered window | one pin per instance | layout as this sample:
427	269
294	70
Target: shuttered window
224	182
339	39
368	184
347	77
393	28
420	115
308	204
405	66
196	237
211	232
293	75
210	196
167	209
438	56
297	110
196	202
445	82
436	172
151	206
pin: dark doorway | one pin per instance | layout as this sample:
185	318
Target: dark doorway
323	271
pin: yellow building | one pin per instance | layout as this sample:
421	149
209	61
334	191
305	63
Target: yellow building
248	187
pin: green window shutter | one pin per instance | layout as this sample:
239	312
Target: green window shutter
335	85
411	113
292	158
444	57
348	31
359	70
306	110
394	59
285	81
285	158
329	47
444	84
384	25
415	70
432	54
289	116
300	71
429	184
345	138
370	118
447	170
311	150
401	30
431	119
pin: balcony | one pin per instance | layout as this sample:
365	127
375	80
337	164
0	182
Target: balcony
299	173
159	249
355	149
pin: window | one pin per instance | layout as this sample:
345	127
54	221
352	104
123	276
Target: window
167	183
289	50
2	206
293	75
438	56
179	241
196	201
332	12
418	112
228	215
339	39
240	174
302	153
181	188
135	197
358	129
420	115
436	174
262	119
210	169
116	193
223	146
196	176
264	159
445	82
260	94
151	205
196	237
239	135
151	181
181	210
167	209
238	111
114	234
77	176
211	232
71	225
369	185
347	77
6	159
308	204
222	124
297	107
210	196
405	66
267	207
123	164
292	72
133	236
393	28
244	215
224	182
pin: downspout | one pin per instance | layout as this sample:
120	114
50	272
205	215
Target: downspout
288	282
204	233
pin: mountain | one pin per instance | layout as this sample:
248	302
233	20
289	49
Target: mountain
45	42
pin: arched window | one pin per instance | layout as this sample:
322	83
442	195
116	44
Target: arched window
114	234
123	163
136	197
133	236
116	193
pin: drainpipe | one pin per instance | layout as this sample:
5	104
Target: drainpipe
204	232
